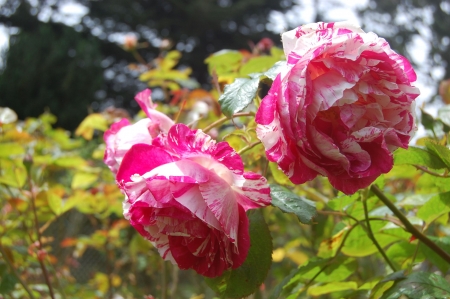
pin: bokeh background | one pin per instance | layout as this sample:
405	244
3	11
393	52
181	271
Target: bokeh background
67	57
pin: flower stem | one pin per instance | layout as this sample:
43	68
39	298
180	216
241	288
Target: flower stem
224	119
409	227
370	232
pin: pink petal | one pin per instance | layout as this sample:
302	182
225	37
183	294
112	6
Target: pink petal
140	159
221	200
145	102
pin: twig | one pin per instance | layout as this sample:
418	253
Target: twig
249	147
13	270
224	119
424	169
370	232
38	234
409	227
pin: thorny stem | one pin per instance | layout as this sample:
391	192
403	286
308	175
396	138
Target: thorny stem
424	169
224	119
370	232
13	270
409	227
38	233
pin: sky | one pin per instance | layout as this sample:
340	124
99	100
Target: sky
71	13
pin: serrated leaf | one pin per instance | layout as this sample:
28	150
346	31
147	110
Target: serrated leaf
444	115
238	95
415	155
332	287
435	207
244	280
289	202
441	151
419	285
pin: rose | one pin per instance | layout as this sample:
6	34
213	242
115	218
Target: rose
339	108
122	135
188	195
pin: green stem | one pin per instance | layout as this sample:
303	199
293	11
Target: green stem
224	119
249	147
409	227
426	170
371	235
38	234
13	270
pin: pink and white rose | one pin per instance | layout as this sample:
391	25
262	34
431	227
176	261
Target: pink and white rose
188	195
339	108
122	134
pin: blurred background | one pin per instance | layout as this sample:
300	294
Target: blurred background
75	57
68	56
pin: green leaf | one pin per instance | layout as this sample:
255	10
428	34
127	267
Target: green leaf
11	149
332	287
238	95
12	172
358	243
82	180
289	202
402	253
342	202
279	288
444	115
334	270
257	64
273	72
244	280
441	151
224	62
70	162
415	155
427	120
435	259
8	283
279	175
435	207
419	285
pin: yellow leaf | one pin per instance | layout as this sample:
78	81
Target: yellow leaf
278	255
82	180
94	121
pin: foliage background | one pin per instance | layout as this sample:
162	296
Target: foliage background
59	204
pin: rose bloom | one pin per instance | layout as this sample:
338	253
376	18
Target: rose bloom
122	134
339	108
188	195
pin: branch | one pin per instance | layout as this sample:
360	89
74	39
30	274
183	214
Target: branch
224	119
372	236
424	169
409	227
